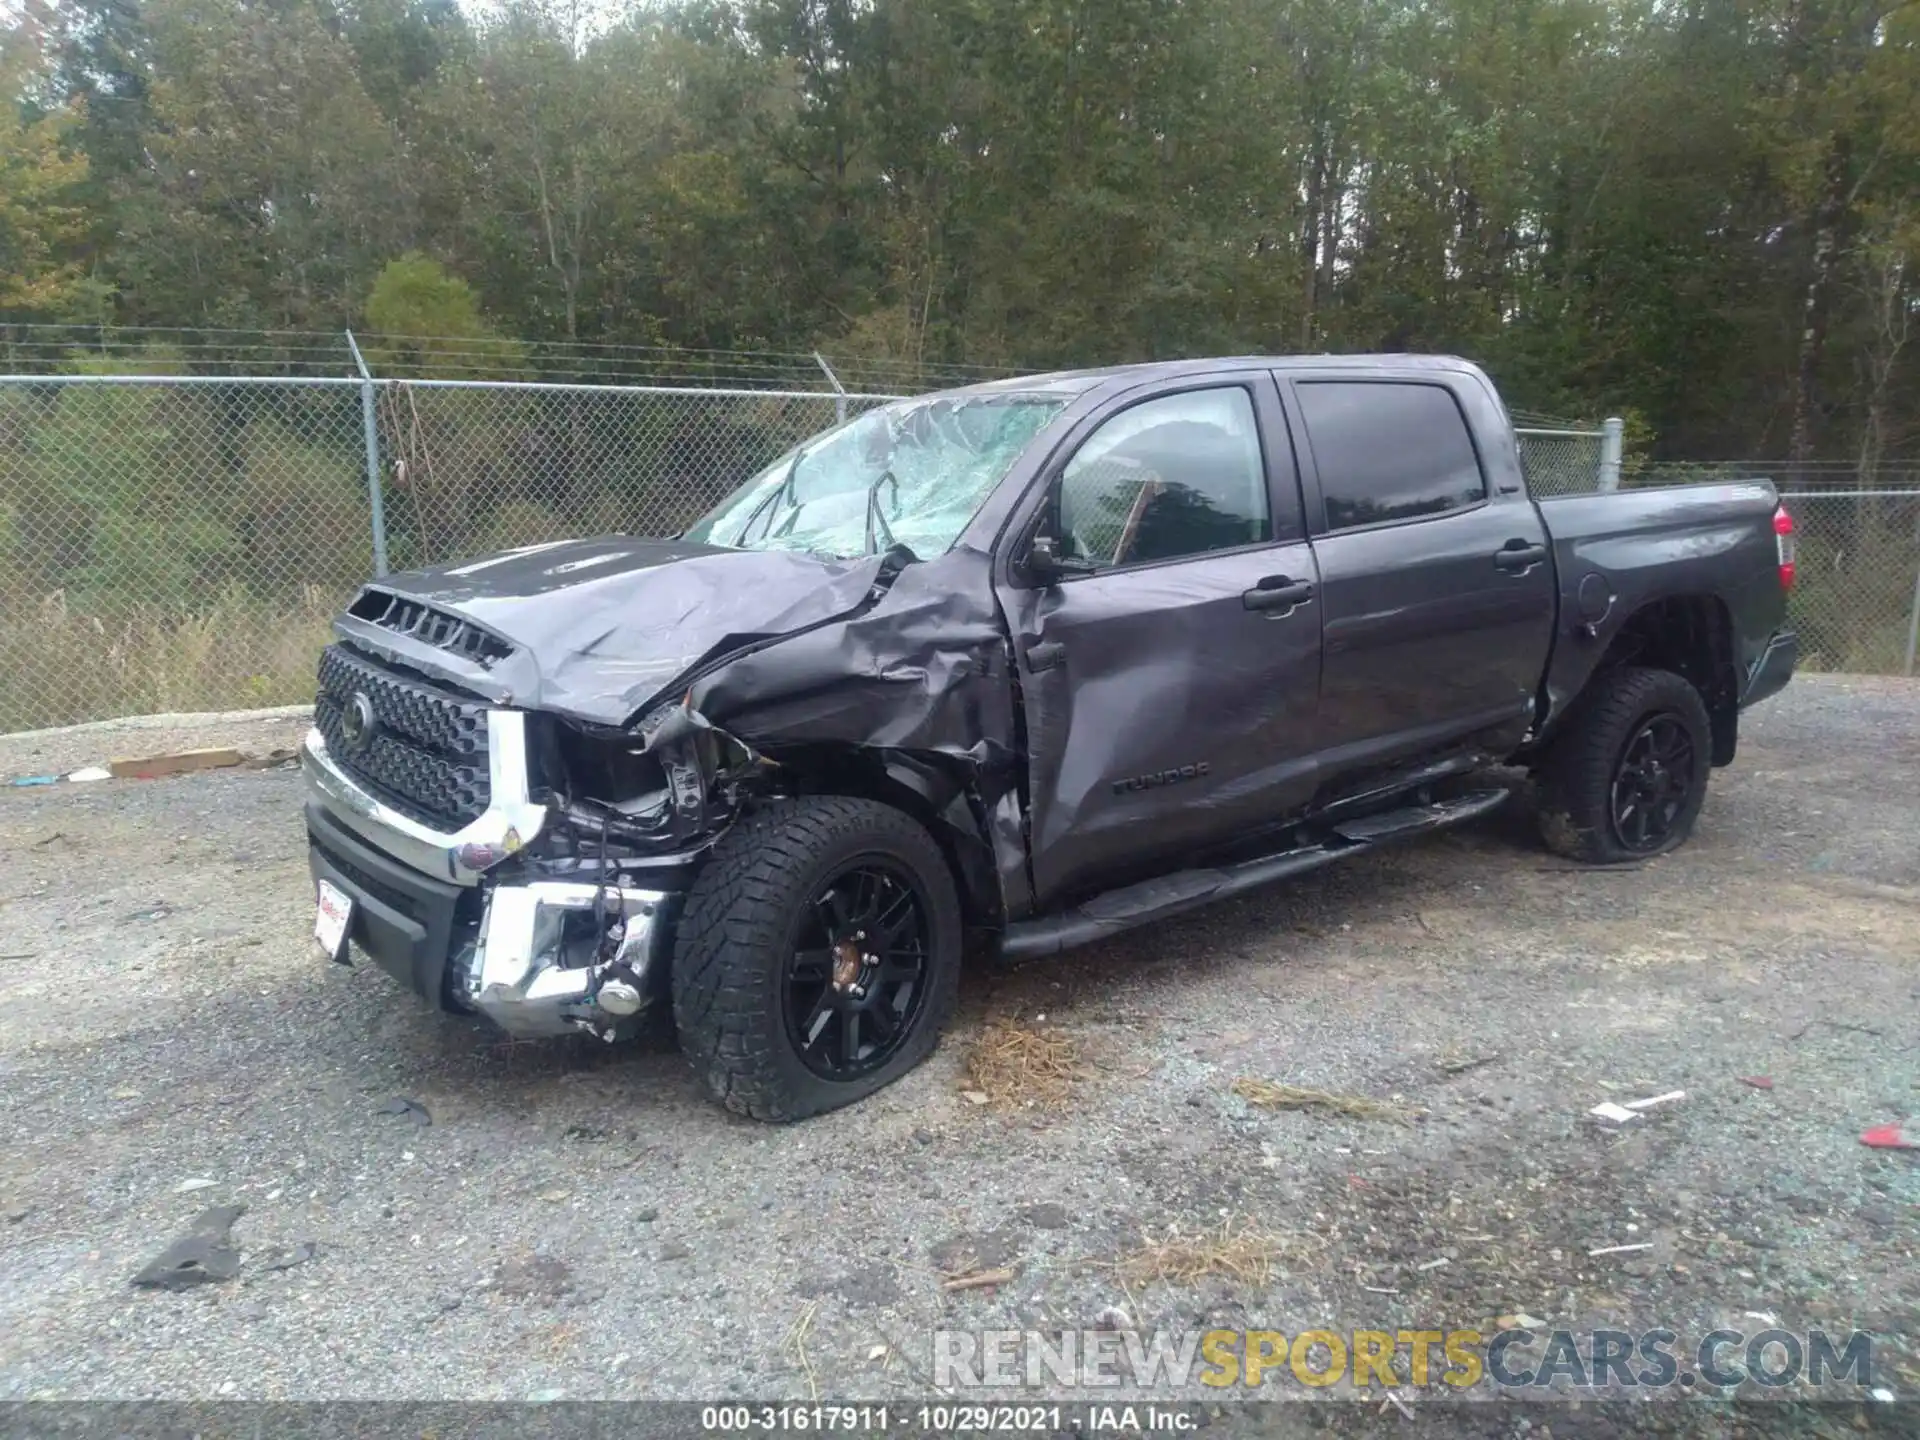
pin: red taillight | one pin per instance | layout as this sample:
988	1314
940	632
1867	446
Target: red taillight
1783	545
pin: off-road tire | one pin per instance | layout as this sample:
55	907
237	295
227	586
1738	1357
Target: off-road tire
1574	779
736	933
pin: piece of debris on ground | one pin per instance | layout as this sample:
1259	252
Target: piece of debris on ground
280	1259
180	762
1238	1250
1651	1101
1272	1095
204	1254
1021	1066
796	1344
1889	1137
977	1279
412	1109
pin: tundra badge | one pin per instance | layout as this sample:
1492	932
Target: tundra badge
1161	777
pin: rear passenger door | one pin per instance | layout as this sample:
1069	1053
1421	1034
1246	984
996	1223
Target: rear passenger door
1437	594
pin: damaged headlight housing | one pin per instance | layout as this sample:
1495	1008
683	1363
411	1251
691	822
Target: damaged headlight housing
663	781
606	769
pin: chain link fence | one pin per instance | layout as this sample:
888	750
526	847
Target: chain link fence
1565	462
181	543
169	546
178	542
473	467
1856	596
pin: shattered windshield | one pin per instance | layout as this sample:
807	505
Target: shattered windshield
911	473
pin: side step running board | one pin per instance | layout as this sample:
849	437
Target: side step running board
1119	910
1135	905
1412	819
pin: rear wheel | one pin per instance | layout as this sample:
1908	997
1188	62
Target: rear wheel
818	956
1627	779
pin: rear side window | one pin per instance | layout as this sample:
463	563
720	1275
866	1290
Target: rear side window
1389	451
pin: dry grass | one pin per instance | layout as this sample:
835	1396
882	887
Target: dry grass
64	664
1271	1095
1018	1066
1239	1251
796	1345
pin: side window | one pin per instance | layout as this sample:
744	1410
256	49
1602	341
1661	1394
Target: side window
1389	451
1181	475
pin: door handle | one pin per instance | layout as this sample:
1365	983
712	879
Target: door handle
1277	592
1518	556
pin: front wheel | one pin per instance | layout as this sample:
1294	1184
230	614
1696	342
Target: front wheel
1627	779
818	956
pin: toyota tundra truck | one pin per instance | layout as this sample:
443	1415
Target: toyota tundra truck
1011	668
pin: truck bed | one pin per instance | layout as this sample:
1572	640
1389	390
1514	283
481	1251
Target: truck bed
1615	551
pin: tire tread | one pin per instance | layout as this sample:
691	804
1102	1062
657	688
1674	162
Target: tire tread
735	920
1575	777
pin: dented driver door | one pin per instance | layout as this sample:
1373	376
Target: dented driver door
1169	661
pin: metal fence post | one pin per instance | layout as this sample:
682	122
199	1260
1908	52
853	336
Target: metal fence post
376	506
1613	432
1913	622
839	391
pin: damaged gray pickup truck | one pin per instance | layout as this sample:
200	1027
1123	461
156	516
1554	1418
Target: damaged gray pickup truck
1030	662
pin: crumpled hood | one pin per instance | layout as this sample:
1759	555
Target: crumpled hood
601	627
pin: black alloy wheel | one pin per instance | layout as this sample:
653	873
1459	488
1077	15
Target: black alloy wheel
1626	777
817	956
857	979
1653	783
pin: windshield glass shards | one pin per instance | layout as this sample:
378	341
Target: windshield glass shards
907	474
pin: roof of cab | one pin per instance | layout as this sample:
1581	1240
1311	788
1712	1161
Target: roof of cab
1076	382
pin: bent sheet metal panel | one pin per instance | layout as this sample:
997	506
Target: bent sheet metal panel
1164	678
602	627
786	650
922	672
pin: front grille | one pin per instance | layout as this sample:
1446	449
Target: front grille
426	755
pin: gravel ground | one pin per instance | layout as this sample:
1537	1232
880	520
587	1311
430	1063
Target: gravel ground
60	752
578	1221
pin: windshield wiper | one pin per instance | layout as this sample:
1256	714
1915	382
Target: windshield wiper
876	520
783	491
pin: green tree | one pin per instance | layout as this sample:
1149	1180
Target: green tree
1699	211
43	219
425	319
274	187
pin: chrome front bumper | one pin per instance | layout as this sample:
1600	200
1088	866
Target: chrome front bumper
530	970
518	978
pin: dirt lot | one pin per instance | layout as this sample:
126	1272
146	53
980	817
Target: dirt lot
578	1221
